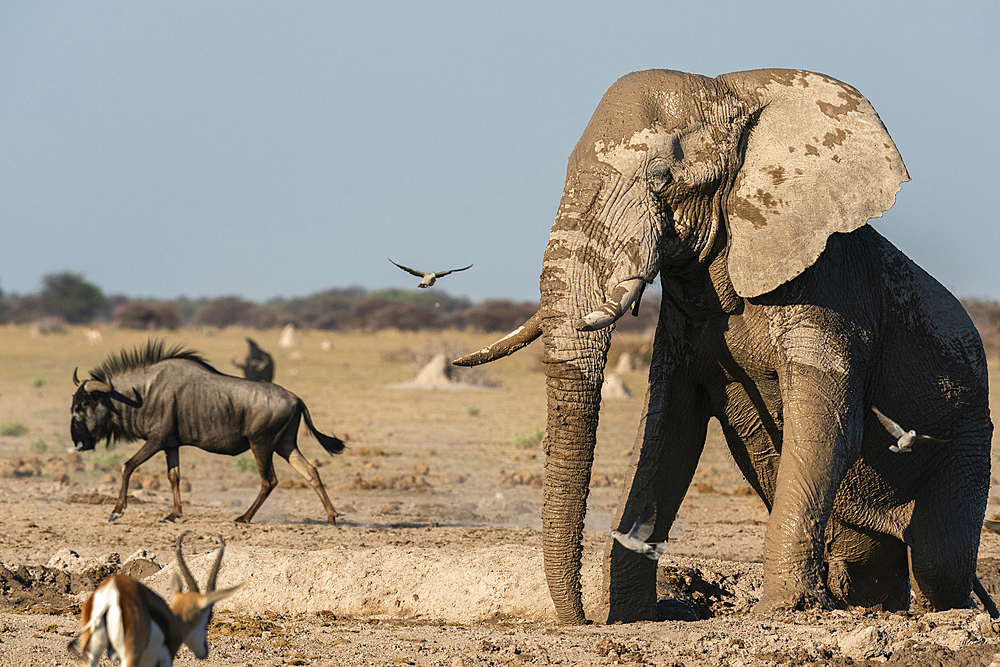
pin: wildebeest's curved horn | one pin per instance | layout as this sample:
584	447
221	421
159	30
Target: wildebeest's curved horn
122	398
507	345
90	386
182	566
210	583
76	380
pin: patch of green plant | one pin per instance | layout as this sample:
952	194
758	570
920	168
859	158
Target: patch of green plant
245	463
528	440
472	411
12	428
107	460
37	381
38	446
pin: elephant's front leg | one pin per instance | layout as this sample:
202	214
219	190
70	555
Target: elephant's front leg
822	406
669	443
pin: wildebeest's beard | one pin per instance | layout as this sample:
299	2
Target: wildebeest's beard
90	422
82	439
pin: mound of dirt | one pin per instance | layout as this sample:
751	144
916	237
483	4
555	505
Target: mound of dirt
439	373
614	387
464	585
626	364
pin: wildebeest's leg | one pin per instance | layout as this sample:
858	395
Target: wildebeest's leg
145	452
174	475
268	480
311	475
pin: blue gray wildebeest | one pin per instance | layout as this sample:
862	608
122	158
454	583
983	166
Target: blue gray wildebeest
258	364
172	398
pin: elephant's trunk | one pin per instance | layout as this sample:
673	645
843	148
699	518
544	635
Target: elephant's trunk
573	406
574	363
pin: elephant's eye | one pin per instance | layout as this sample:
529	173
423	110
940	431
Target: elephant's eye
659	176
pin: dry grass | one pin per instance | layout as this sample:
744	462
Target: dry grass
345	380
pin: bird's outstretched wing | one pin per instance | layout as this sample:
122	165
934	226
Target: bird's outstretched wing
894	429
444	273
927	438
643	526
419	274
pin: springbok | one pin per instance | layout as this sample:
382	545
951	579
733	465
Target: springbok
136	627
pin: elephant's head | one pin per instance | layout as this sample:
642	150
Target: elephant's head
673	171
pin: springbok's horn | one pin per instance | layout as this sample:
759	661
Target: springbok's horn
182	566
213	573
622	297
507	345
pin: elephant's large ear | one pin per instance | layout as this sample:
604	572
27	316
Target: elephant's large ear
817	160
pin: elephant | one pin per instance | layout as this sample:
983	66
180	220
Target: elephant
785	316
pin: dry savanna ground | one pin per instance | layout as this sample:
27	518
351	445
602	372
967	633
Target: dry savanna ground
436	559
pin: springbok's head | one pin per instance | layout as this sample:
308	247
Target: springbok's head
194	608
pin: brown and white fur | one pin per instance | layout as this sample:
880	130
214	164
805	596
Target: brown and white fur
136	626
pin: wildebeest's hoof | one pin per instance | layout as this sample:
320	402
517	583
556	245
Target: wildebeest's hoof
242	519
171	518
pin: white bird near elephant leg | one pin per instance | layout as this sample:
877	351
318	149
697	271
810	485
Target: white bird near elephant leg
635	539
428	278
904	438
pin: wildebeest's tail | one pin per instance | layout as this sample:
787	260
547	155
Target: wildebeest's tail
330	443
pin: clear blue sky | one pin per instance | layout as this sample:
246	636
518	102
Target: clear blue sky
277	149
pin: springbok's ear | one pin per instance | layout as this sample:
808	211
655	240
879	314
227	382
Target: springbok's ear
210	598
817	161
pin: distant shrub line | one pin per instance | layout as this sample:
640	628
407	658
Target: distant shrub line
69	298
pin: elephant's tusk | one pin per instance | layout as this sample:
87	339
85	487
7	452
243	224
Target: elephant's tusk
623	296
507	345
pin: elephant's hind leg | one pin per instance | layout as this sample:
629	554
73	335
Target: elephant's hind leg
942	572
943	537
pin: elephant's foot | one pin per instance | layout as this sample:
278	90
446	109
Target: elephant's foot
793	600
881	589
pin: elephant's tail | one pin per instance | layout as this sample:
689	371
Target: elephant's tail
985	598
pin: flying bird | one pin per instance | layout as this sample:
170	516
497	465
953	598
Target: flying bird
428	278
636	538
904	439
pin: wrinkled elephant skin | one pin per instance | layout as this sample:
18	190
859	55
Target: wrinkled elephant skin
786	317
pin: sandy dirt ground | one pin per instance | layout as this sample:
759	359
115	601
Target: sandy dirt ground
436	558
